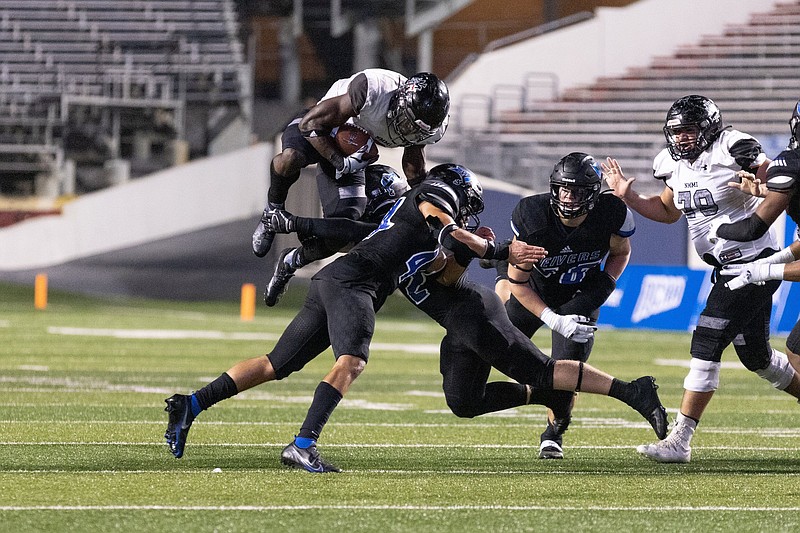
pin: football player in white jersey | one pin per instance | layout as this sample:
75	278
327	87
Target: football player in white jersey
701	158
395	111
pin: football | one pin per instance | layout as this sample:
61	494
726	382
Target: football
350	138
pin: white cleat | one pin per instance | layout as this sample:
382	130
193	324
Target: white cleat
673	449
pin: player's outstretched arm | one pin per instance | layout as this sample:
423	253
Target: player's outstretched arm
659	208
781	265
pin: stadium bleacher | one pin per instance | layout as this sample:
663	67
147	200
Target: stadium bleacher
149	64
752	71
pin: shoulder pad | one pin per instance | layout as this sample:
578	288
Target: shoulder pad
663	165
441	195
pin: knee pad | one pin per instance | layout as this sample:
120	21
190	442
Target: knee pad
461	407
703	376
778	372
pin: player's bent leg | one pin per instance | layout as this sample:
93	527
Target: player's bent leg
284	171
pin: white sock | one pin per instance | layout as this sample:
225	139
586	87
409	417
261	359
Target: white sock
688	425
289	259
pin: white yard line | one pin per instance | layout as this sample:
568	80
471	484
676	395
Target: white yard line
391	445
182	334
262	508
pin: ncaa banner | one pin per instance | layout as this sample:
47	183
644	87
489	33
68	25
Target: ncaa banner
671	298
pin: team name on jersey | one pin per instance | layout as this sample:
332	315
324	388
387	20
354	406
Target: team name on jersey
553	262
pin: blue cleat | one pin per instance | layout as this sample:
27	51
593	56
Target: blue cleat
179	407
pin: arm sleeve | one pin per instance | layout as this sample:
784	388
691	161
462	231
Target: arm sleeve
746	153
357	91
748	229
334	228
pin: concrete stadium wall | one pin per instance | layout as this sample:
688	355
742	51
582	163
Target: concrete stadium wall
616	39
182	199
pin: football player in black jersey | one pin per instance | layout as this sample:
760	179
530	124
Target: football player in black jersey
586	235
339	311
383	185
783	194
479	335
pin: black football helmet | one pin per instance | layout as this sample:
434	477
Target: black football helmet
457	192
384	187
794	125
417	109
693	111
581	174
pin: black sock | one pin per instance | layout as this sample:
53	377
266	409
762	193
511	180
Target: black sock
621	390
220	389
326	398
559	401
550	433
279	186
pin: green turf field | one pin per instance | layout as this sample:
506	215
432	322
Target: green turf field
82	385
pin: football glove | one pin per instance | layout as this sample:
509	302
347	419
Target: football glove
574	327
358	160
783	256
751	273
280	221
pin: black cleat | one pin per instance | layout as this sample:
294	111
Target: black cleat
179	407
550	449
263	236
646	402
280	279
306	458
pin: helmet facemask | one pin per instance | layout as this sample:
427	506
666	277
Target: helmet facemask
403	125
417	109
572	201
473	205
575	185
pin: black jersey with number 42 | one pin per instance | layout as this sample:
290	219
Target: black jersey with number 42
571	252
403	243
